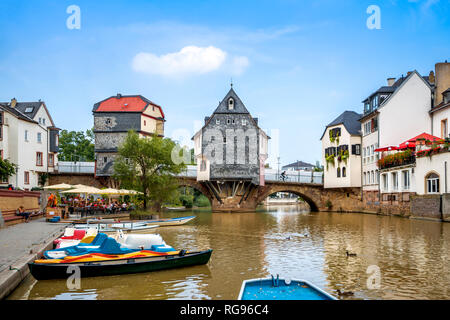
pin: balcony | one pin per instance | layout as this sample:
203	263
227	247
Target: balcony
396	160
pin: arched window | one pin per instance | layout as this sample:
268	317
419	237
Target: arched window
230	104
344	172
338	172
203	165
373	177
365	178
432	183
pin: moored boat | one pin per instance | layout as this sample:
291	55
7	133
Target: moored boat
279	289
42	270
121	244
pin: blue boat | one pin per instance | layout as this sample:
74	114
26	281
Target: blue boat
279	289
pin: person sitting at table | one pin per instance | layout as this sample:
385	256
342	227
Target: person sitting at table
21	212
124	206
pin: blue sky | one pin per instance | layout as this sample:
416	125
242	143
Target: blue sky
295	64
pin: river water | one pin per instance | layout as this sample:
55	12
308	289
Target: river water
412	257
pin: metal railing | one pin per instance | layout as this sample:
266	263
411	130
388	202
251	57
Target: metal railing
75	167
191	172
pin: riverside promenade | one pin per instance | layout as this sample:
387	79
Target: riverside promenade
20	244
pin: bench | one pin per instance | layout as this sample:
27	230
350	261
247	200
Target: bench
10	216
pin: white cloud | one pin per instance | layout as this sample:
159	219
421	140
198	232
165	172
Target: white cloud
189	60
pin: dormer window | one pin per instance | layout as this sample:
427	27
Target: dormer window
231	104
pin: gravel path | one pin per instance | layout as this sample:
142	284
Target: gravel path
17	240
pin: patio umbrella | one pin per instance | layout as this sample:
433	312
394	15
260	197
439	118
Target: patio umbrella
84	190
61	186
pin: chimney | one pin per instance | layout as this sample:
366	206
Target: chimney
390	81
119	96
13	102
442	81
431	77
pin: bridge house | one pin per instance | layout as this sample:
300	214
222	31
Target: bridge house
231	150
114	117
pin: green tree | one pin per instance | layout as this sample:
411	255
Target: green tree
7	169
146	165
76	146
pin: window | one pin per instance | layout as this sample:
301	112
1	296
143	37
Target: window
26	177
145	122
432	181
232	121
217	121
40	120
29	109
228	121
105	159
1	125
224	139
230	104
57	140
39	137
444	129
365	179
203	165
39	159
43	120
344	172
373	177
338	172
385	182
356	149
406	180
244	122
51	159
26	135
394	181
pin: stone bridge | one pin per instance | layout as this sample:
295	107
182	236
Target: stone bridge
243	197
341	199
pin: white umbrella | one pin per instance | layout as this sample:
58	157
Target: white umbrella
61	186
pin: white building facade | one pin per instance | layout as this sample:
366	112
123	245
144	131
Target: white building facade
341	152
29	139
392	114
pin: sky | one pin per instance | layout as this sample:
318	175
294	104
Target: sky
296	65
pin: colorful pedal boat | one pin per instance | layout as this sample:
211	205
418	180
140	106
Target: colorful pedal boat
107	245
279	289
150	261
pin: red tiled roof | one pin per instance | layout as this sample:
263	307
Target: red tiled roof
127	104
121	103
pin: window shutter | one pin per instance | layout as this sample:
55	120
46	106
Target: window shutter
353	149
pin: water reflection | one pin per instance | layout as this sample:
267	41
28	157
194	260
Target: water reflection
412	256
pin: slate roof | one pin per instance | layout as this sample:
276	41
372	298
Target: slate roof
298	164
239	106
24	106
15	112
350	121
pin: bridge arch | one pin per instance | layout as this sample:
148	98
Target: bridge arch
307	199
309	193
186	182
